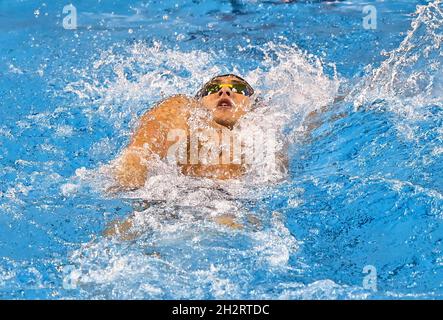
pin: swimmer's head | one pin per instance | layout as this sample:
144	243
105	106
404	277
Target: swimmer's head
227	97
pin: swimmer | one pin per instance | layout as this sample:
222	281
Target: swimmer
221	102
218	105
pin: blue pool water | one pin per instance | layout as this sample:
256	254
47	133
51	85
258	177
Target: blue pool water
364	189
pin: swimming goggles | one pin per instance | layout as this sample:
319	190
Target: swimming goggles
240	88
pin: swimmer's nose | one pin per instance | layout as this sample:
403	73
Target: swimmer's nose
224	90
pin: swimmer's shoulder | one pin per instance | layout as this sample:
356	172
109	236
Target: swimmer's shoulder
179	104
172	112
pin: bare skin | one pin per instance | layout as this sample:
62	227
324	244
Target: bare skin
151	138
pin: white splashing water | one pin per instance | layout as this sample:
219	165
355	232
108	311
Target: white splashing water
128	83
412	74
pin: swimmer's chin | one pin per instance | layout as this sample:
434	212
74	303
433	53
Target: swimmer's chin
225	117
225	123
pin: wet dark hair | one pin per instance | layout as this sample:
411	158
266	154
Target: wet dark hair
199	94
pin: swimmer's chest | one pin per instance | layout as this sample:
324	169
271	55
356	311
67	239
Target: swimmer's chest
209	152
196	143
207	149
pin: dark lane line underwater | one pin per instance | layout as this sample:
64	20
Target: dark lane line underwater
357	212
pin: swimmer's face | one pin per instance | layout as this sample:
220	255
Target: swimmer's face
226	104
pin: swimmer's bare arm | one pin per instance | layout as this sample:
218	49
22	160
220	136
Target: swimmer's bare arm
150	140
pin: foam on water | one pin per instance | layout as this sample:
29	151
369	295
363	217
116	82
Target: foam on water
177	230
411	76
